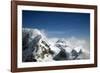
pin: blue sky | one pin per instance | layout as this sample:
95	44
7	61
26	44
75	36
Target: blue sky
58	24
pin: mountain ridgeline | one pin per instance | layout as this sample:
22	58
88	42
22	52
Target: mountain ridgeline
36	47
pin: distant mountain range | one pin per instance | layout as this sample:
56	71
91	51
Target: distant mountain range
36	47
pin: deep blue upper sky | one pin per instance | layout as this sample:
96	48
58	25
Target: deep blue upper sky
58	24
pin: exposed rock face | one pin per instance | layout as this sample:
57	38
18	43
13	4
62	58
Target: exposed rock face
35	48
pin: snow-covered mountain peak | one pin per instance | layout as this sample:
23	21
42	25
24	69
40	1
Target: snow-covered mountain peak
61	42
43	48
